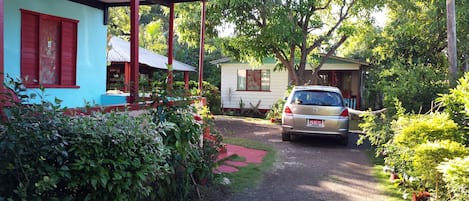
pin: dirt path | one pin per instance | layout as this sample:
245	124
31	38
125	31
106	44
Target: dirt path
308	168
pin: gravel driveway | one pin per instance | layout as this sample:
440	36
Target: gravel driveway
307	168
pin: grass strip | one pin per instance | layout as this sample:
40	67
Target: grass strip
389	189
251	175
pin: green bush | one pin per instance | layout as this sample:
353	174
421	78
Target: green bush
277	109
188	161
456	103
46	155
456	176
209	91
116	157
429	155
411	130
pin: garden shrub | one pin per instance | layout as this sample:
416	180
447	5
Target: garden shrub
456	176
46	155
116	157
188	159
429	155
276	111
411	130
456	104
277	108
209	91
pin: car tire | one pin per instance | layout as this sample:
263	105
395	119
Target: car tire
286	136
343	140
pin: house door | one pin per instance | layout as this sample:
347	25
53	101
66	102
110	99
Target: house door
49	43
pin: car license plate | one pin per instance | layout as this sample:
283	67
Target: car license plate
315	123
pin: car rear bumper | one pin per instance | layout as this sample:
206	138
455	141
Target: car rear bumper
290	130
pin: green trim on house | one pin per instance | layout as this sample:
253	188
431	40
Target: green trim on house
272	60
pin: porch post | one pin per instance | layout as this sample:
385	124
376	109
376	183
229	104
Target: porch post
170	47
186	80
201	51
134	64
2	63
127	71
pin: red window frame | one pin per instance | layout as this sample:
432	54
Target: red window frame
66	47
253	80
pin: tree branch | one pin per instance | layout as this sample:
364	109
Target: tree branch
342	17
326	57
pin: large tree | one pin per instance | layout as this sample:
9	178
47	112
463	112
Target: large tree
290	30
409	54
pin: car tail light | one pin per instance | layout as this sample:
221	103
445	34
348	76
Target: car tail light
288	111
344	113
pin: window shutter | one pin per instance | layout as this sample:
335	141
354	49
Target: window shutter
69	49
29	48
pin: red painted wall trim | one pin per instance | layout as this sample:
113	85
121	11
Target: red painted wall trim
134	64
58	18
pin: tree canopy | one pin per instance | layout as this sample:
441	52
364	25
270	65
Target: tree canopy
409	54
291	30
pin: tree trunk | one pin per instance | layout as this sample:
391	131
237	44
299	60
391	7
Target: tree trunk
452	52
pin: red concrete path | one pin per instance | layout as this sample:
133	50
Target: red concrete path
250	155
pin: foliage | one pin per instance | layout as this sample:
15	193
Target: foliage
46	155
427	157
377	130
277	109
291	31
182	137
456	104
412	130
408	54
416	86
377	127
456	176
209	91
415	144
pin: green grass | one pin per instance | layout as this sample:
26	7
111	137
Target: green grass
388	188
252	174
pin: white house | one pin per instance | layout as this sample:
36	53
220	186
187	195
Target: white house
245	86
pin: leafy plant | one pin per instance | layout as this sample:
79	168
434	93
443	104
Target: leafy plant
456	104
429	155
412	130
183	138
47	155
455	174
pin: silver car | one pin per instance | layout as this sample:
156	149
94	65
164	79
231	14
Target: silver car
315	110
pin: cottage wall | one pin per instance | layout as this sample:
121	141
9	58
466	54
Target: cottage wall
231	97
91	48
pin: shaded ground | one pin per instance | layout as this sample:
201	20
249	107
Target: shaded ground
308	168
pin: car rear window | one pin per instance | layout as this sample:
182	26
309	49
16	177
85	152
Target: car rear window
311	97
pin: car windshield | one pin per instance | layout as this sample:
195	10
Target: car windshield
322	98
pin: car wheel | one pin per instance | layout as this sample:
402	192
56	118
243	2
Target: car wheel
344	140
286	136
